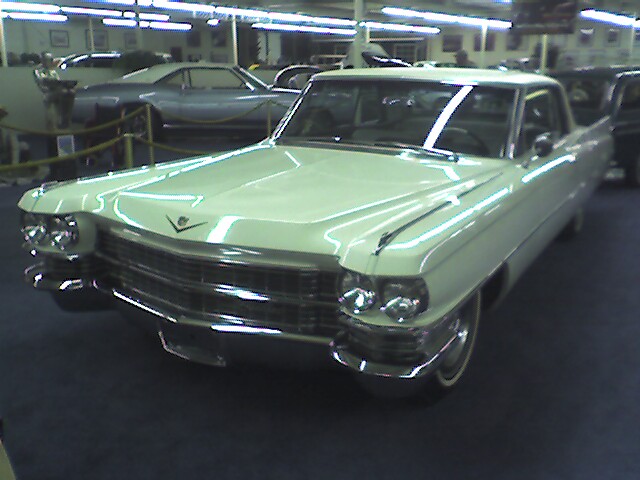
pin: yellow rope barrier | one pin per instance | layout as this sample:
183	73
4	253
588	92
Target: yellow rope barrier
55	133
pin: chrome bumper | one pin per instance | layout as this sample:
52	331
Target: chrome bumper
227	341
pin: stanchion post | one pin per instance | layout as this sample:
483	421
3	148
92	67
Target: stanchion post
152	159
269	118
128	150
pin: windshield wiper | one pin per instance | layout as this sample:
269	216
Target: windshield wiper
327	138
451	156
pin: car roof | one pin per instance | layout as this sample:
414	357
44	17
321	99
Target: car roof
467	76
599	72
156	72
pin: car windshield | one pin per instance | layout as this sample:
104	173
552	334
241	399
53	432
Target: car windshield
435	116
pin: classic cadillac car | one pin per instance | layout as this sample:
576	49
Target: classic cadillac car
190	95
387	209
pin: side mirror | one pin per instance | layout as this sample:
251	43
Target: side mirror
543	145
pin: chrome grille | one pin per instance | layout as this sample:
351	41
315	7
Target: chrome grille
398	348
293	300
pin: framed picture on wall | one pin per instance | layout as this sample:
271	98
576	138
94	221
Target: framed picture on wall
585	37
612	38
490	45
100	39
193	39
130	41
59	38
451	42
219	37
516	41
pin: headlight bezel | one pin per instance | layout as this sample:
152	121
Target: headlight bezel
43	230
401	299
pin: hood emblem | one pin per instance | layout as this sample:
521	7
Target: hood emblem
182	224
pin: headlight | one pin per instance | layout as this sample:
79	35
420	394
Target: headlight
356	292
56	231
402	300
63	231
34	228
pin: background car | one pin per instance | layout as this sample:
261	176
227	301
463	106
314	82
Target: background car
189	95
127	61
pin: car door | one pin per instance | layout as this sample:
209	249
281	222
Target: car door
217	96
551	179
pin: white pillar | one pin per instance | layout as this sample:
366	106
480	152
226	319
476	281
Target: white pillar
3	44
234	39
139	40
631	41
543	53
483	46
92	43
360	38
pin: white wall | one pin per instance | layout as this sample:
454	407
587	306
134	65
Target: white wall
598	52
35	37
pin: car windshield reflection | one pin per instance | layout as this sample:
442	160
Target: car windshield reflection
438	117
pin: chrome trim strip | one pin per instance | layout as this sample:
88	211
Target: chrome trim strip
40	279
360	364
387	237
221	324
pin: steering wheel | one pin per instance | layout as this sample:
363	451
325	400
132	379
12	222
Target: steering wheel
478	144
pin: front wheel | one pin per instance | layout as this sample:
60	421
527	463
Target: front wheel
465	329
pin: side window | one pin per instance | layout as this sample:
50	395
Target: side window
630	104
178	79
541	116
215	78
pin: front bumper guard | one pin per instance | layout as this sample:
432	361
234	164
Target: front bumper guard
222	335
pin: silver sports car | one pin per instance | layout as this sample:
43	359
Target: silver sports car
189	95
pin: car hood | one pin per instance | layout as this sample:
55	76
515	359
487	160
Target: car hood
316	200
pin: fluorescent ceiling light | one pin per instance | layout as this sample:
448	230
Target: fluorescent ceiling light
213	22
394	27
446	18
119	22
29	7
120	2
184	7
281	27
39	17
130	23
147	16
96	12
178	26
607	17
283	17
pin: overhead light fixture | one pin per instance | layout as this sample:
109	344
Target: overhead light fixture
29	7
395	27
607	17
213	22
281	27
119	22
130	23
94	12
176	26
282	17
148	16
183	7
38	17
446	18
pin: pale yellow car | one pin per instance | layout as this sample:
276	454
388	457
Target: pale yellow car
386	211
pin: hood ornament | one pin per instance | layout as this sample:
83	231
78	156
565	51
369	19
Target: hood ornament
182	224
